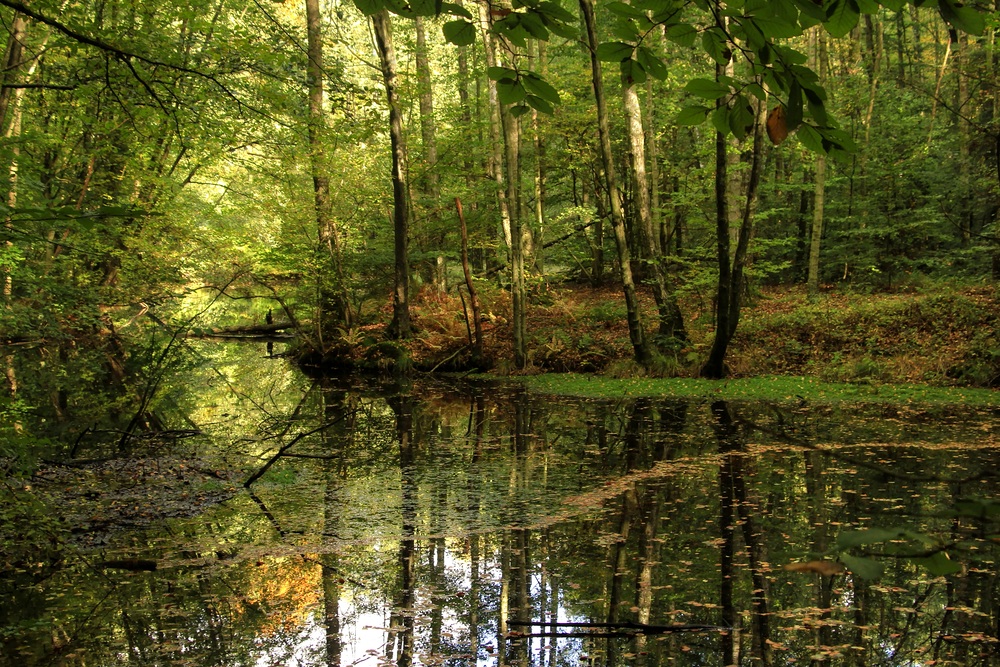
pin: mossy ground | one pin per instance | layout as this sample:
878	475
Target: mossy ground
945	336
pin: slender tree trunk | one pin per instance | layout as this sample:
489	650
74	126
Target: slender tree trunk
671	321
401	326
994	76
729	293
952	36
477	344
819	198
966	196
10	105
12	61
539	231
636	333
494	165
333	306
430	183
511	133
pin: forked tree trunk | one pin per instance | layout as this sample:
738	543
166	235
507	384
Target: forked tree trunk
635	328
728	300
401	326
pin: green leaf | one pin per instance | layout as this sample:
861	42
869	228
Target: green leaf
533	23
706	88
632	71
511	28
614	52
757	91
555	12
625	10
460	33
682	34
501	73
793	110
977	508
773	27
651	63
842	16
542	105
539	87
510	92
866	568
964	18
857	538
626	31
564	30
939	564
720	119
369	7
867	6
839	139
519	110
810	10
741	118
714	43
816	107
456	10
894	5
694	115
424	7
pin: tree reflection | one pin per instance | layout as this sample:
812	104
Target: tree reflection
454	523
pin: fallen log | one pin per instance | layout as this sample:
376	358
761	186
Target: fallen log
242	331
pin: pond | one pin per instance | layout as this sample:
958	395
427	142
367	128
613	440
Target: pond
352	521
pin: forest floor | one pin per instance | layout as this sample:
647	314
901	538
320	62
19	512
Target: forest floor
945	335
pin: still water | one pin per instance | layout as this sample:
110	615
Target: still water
464	523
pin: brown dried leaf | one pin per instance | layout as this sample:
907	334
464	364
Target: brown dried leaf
825	567
777	129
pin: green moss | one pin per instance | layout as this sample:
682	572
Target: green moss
773	388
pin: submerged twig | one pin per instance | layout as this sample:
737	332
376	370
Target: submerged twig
281	452
623	629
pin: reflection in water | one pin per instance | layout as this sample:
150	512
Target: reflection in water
478	524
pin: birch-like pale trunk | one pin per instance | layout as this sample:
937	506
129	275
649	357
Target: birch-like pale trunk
671	321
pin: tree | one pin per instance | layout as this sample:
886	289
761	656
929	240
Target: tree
334	306
400	327
637	334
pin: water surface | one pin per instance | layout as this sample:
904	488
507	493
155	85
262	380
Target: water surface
440	522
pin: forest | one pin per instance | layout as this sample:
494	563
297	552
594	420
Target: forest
391	178
391	329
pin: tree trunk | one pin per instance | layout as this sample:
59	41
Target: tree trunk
671	321
430	182
494	165
12	61
477	343
334	308
636	333
539	231
511	141
731	284
401	326
819	198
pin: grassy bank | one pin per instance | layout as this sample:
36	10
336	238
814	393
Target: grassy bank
945	336
785	389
